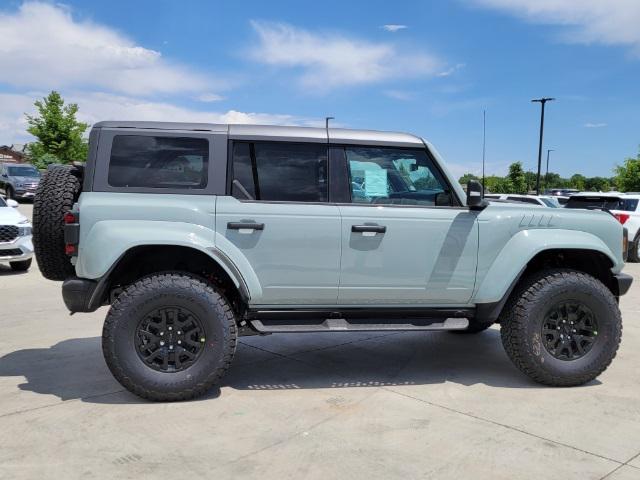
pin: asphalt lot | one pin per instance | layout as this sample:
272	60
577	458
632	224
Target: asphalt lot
347	405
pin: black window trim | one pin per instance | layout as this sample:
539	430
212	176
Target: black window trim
332	191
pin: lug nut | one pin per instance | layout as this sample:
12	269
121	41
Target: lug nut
179	342
170	328
161	343
170	347
161	333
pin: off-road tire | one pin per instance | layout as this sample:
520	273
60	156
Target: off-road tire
156	291
21	266
633	250
57	192
522	318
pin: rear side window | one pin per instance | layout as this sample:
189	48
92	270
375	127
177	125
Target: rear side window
158	162
628	204
280	172
593	202
523	200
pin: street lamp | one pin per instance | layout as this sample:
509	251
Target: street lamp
542	102
546	177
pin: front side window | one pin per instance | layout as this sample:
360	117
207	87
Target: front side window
395	177
280	172
146	161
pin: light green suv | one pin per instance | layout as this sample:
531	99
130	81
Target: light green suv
195	234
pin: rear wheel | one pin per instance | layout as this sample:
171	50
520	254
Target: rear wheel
57	192
169	337
21	266
562	327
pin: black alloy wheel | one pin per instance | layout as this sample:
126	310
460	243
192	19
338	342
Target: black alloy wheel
569	330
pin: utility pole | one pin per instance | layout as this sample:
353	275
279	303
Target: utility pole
546	177
542	101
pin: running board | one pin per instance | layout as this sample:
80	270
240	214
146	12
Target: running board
356	325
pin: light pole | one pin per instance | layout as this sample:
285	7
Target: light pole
542	102
546	177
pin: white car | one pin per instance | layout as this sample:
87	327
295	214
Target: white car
624	206
541	200
15	236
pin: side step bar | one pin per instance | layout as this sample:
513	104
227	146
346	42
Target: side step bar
356	325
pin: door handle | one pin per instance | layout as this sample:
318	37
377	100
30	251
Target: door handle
369	228
245	226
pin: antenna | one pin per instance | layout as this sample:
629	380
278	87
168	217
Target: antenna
484	143
326	125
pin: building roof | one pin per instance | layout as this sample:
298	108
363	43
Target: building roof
283	133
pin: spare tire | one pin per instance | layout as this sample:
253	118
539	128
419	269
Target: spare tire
58	190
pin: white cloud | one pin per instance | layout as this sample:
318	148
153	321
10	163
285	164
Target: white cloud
328	60
393	27
595	125
209	97
399	95
43	46
94	107
611	22
450	71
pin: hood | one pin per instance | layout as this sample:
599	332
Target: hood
10	216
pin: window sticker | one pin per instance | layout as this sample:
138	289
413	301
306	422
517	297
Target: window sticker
375	183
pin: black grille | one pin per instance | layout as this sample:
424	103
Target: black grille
12	252
8	233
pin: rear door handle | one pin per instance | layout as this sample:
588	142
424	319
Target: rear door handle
369	228
245	226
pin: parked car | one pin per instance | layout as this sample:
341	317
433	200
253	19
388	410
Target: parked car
561	192
15	236
624	206
266	229
18	180
541	200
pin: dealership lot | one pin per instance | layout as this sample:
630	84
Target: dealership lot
414	404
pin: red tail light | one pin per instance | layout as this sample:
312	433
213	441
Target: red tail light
622	217
69	218
70	249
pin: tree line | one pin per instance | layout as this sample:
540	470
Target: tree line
626	178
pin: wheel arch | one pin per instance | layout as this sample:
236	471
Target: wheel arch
142	260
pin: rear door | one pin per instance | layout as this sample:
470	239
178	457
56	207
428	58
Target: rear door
278	217
404	239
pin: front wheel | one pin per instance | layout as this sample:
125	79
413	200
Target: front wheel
561	327
169	337
634	250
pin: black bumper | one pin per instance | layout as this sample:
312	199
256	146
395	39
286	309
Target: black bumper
81	295
623	281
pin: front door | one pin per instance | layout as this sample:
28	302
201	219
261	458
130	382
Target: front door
278	218
403	239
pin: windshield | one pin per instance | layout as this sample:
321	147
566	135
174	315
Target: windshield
23	172
608	203
550	202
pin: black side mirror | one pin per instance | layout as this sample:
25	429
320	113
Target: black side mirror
475	200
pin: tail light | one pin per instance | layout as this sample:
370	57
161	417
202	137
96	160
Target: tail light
622	217
71	232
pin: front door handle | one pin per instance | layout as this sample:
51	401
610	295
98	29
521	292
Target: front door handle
245	226
369	228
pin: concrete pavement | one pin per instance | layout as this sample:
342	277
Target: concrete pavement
411	405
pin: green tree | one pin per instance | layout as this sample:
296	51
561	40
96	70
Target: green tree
464	179
517	178
628	175
578	181
58	132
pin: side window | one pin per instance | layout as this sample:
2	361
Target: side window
524	200
158	162
280	171
395	177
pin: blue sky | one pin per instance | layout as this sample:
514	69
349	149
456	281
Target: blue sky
426	67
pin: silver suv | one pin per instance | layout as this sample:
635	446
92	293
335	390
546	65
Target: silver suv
18	180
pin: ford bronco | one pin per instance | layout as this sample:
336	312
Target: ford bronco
195	234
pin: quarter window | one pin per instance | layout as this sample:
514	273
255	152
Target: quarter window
158	162
395	177
280	172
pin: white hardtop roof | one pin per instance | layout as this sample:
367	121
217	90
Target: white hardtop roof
279	132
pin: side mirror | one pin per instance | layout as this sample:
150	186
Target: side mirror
475	200
4	175
12	203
